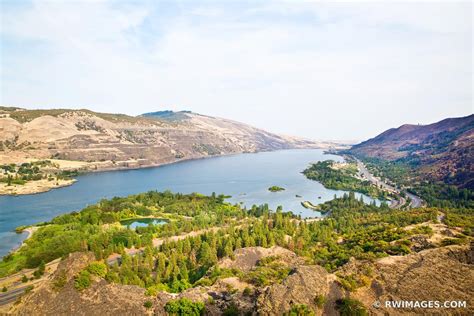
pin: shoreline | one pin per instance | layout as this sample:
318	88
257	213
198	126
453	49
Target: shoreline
30	230
31	188
93	168
303	151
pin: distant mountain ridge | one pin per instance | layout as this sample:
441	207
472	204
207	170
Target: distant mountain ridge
440	151
168	115
115	141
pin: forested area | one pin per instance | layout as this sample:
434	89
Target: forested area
351	229
97	227
368	232
19	174
342	177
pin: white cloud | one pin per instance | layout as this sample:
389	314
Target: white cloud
316	69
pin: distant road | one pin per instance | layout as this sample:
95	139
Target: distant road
365	173
16	288
12	295
415	200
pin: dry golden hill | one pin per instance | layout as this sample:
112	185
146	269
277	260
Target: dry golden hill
114	141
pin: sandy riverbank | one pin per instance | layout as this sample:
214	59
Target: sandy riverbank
33	187
30	231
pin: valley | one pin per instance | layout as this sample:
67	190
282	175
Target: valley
245	177
236	158
86	141
273	232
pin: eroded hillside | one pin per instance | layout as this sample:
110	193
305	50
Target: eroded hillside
87	141
113	141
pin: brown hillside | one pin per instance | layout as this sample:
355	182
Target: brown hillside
440	151
113	141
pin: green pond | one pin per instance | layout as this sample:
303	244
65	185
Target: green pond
142	222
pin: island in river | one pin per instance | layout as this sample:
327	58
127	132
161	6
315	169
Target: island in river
275	188
245	177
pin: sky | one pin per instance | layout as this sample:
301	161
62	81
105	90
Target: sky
321	70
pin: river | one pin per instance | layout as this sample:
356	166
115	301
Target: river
246	177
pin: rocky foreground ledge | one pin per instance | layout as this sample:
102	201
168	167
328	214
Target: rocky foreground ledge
445	273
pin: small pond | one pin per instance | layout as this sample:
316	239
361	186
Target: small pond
142	222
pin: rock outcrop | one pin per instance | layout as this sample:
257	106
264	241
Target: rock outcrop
302	286
58	296
440	274
247	258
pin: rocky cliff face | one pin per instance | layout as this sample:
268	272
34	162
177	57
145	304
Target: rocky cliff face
441	274
112	141
441	151
302	286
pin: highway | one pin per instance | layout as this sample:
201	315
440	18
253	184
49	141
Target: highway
12	295
16	288
365	174
415	200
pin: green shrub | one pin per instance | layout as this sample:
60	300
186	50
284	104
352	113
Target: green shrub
272	273
82	280
353	281
60	280
320	300
148	304
155	289
98	268
299	310
231	310
247	291
350	307
203	282
452	241
40	271
184	307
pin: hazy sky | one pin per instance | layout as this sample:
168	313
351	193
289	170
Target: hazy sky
325	71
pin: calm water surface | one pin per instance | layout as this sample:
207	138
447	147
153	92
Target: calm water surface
246	177
142	222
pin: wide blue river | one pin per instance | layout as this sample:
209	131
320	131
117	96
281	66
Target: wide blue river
246	177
